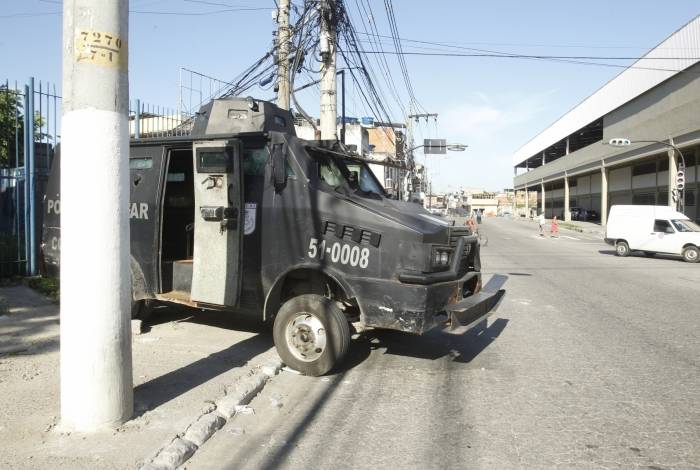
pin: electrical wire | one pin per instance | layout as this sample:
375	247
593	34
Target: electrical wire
389	7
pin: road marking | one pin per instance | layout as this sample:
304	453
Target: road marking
570	238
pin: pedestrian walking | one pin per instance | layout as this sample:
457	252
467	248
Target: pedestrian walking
541	222
554	229
471	223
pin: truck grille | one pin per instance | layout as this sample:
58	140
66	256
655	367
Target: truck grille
469	257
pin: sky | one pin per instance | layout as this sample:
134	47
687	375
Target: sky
494	105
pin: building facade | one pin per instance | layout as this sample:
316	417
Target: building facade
654	104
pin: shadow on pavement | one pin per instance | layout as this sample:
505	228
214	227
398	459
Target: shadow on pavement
163	313
437	344
160	390
641	254
433	345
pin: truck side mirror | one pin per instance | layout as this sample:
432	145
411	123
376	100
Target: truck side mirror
279	165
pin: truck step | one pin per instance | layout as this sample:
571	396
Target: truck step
182	275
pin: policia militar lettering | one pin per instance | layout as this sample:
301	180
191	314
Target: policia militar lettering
242	216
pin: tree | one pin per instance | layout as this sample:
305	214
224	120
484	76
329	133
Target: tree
12	127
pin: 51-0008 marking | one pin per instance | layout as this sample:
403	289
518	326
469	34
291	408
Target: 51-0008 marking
339	253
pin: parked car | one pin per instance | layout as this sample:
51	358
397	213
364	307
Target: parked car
653	229
583	214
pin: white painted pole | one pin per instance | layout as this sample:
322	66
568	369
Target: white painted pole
329	105
567	211
603	195
96	374
283	55
544	205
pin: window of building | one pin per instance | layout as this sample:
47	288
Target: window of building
689	198
644	199
644	168
663	164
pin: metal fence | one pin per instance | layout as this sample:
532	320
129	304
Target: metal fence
197	89
146	120
30	123
29	132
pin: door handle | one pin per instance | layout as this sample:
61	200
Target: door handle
226	216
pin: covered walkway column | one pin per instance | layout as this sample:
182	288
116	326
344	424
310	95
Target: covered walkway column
603	195
567	212
527	203
543	201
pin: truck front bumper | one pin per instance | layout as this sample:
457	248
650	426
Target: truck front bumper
417	308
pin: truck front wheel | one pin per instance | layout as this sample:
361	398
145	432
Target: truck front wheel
691	254
311	334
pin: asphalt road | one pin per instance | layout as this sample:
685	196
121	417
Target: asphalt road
591	361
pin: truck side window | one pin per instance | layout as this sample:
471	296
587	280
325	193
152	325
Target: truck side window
255	159
140	163
329	173
663	226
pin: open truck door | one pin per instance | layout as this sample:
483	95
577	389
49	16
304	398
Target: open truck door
218	224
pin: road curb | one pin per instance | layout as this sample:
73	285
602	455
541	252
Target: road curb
184	445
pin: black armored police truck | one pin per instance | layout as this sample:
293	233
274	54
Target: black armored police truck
242	216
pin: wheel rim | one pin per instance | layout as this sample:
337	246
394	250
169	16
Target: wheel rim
306	337
621	249
691	255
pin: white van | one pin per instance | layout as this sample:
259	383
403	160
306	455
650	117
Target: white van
652	229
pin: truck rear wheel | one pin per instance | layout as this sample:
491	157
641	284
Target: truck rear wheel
622	248
311	334
691	254
141	309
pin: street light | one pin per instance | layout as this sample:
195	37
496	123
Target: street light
452	147
680	177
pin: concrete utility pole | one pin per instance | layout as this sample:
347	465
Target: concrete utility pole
409	139
96	376
283	55
329	105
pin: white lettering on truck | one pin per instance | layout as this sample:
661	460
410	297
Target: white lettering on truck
53	205
138	210
339	253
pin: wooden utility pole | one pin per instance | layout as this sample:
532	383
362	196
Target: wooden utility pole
283	55
96	374
329	106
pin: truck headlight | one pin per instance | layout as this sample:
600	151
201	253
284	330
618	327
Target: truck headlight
440	257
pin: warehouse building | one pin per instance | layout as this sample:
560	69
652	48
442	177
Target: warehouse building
572	165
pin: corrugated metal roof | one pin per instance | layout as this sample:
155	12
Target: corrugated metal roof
678	52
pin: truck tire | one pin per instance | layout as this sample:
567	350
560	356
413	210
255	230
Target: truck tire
622	248
141	309
311	334
691	254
